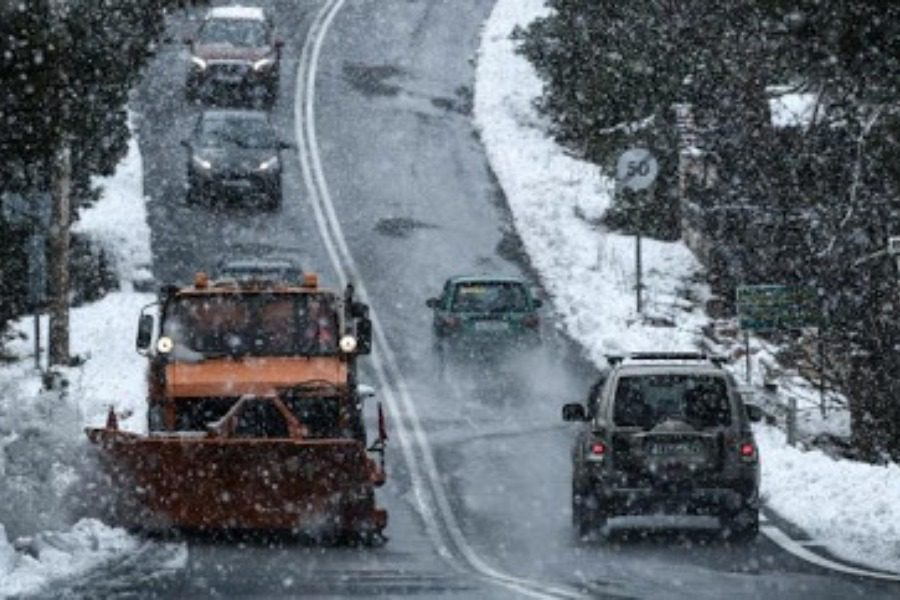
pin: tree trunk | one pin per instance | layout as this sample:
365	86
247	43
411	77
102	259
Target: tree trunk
61	188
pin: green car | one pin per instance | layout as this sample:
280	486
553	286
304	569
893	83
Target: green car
486	308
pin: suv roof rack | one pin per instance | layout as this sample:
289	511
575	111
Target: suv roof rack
717	360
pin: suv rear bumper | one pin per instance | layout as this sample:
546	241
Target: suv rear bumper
713	498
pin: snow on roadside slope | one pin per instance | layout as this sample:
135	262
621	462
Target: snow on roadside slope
57	556
588	271
853	509
41	433
849	507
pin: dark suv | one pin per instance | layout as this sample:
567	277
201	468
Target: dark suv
665	433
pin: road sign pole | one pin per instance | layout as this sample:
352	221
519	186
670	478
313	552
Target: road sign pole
636	169
637	270
747	354
37	339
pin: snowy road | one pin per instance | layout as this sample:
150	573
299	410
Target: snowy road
416	202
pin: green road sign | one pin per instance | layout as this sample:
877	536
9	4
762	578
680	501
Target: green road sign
776	307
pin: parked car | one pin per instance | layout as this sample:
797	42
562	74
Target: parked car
234	154
665	433
234	51
485	308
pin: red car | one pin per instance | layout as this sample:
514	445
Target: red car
234	52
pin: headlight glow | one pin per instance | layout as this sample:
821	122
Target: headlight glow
348	344
268	165
202	163
264	63
164	345
198	62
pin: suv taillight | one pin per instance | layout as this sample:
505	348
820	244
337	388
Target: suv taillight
747	451
598	451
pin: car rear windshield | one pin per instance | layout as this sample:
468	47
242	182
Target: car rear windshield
217	325
490	297
244	33
220	132
647	400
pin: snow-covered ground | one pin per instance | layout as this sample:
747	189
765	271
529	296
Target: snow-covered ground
852	509
41	432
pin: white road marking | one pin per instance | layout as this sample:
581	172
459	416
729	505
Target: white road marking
345	267
796	548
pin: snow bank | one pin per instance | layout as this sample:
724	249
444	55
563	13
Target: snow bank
853	509
41	432
849	507
58	555
118	220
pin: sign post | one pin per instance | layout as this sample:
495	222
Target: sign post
774	307
636	170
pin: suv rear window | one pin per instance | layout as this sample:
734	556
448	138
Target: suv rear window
647	400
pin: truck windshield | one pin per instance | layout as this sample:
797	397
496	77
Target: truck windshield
207	326
647	400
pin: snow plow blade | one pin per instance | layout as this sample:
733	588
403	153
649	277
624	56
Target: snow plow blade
197	481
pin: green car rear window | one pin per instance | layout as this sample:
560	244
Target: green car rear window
490	297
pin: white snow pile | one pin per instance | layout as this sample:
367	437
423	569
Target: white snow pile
42	441
48	556
119	220
853	509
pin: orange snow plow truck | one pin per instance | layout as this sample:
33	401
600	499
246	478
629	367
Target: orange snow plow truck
255	416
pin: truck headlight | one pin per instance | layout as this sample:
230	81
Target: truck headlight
164	345
202	162
264	63
269	165
347	344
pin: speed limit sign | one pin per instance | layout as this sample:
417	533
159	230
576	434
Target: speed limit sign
636	169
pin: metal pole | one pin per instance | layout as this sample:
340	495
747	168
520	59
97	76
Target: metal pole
747	354
792	421
637	270
37	338
822	408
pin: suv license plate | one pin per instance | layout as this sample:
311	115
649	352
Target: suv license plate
675	448
491	326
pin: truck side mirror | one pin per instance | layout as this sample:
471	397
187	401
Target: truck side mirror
359	310
574	412
364	335
433	303
144	333
537	302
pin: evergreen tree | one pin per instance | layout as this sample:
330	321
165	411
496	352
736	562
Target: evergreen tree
66	68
